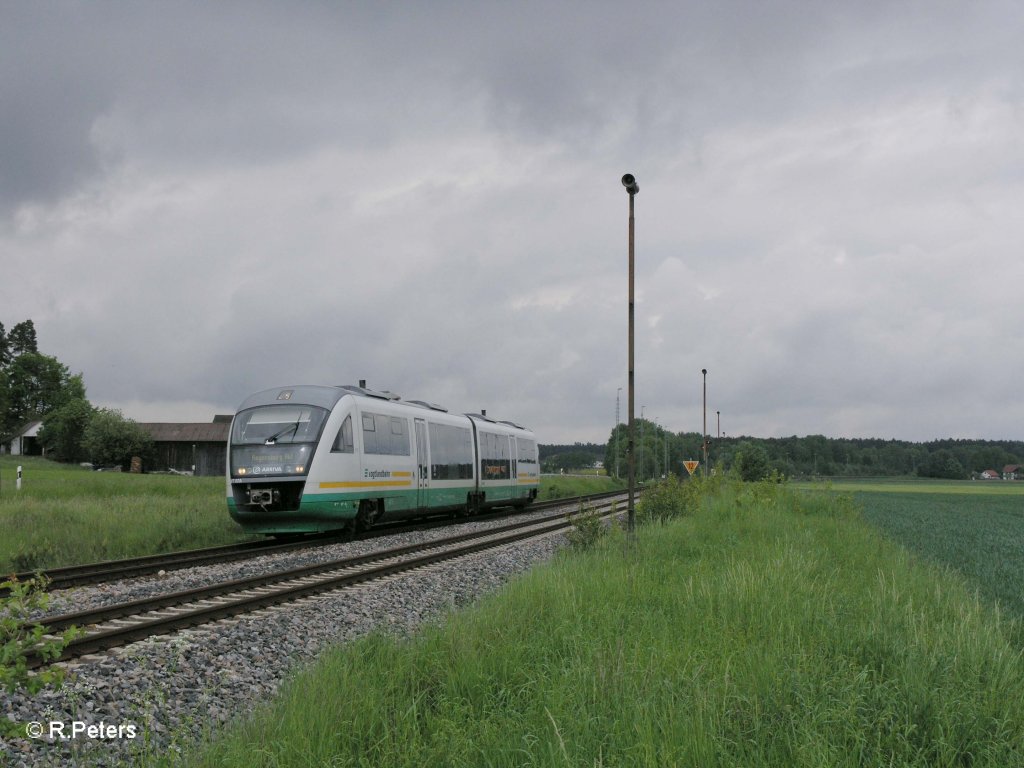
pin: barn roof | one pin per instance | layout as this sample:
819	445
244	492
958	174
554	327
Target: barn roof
164	432
28	429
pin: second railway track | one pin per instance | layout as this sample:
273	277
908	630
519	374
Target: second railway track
118	625
94	573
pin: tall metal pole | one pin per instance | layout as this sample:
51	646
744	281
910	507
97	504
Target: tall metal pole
705	372
657	430
617	432
629	182
641	451
719	414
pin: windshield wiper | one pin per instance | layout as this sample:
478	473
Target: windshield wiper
293	428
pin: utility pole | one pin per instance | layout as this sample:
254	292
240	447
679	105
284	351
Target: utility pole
642	442
629	182
704	371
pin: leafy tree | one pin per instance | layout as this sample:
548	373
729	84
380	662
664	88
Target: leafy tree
576	456
5	399
22	339
110	439
64	428
942	464
34	385
989	457
4	347
751	461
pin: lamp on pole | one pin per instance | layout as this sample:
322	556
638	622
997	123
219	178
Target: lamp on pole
704	371
629	182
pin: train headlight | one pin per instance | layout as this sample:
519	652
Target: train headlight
242	470
299	470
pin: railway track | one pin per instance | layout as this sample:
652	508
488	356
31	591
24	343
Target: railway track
94	573
117	625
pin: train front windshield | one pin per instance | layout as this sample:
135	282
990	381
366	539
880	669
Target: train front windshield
275	440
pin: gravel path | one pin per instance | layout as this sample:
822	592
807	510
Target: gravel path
159	695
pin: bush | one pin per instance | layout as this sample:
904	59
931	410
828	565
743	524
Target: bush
673	497
64	428
20	637
589	528
111	440
751	462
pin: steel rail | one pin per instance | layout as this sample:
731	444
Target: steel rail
436	551
111	570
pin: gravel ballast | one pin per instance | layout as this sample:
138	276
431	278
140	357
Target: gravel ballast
160	695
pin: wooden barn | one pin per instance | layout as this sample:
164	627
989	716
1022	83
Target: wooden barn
197	448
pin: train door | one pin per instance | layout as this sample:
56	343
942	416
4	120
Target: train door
513	445
422	461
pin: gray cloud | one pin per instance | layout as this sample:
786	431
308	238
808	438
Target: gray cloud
202	200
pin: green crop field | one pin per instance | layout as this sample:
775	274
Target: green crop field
976	528
940	487
979	535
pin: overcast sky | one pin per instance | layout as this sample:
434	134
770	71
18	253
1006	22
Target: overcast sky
202	200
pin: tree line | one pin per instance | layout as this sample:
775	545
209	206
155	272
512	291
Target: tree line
34	386
659	451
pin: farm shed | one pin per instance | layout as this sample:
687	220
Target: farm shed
200	448
24	441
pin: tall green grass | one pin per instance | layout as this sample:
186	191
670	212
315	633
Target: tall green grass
565	486
64	515
764	628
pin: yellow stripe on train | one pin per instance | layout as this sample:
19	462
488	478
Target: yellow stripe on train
368	484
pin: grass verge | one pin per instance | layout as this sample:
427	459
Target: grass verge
766	628
564	486
65	515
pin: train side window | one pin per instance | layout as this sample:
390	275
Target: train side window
495	459
343	442
451	452
369	434
399	437
385	435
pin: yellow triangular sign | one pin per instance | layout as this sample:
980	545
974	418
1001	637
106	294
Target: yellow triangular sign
691	466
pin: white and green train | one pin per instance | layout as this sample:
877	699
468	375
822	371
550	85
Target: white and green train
318	458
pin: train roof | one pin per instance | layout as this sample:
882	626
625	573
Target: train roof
307	394
328	396
510	425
